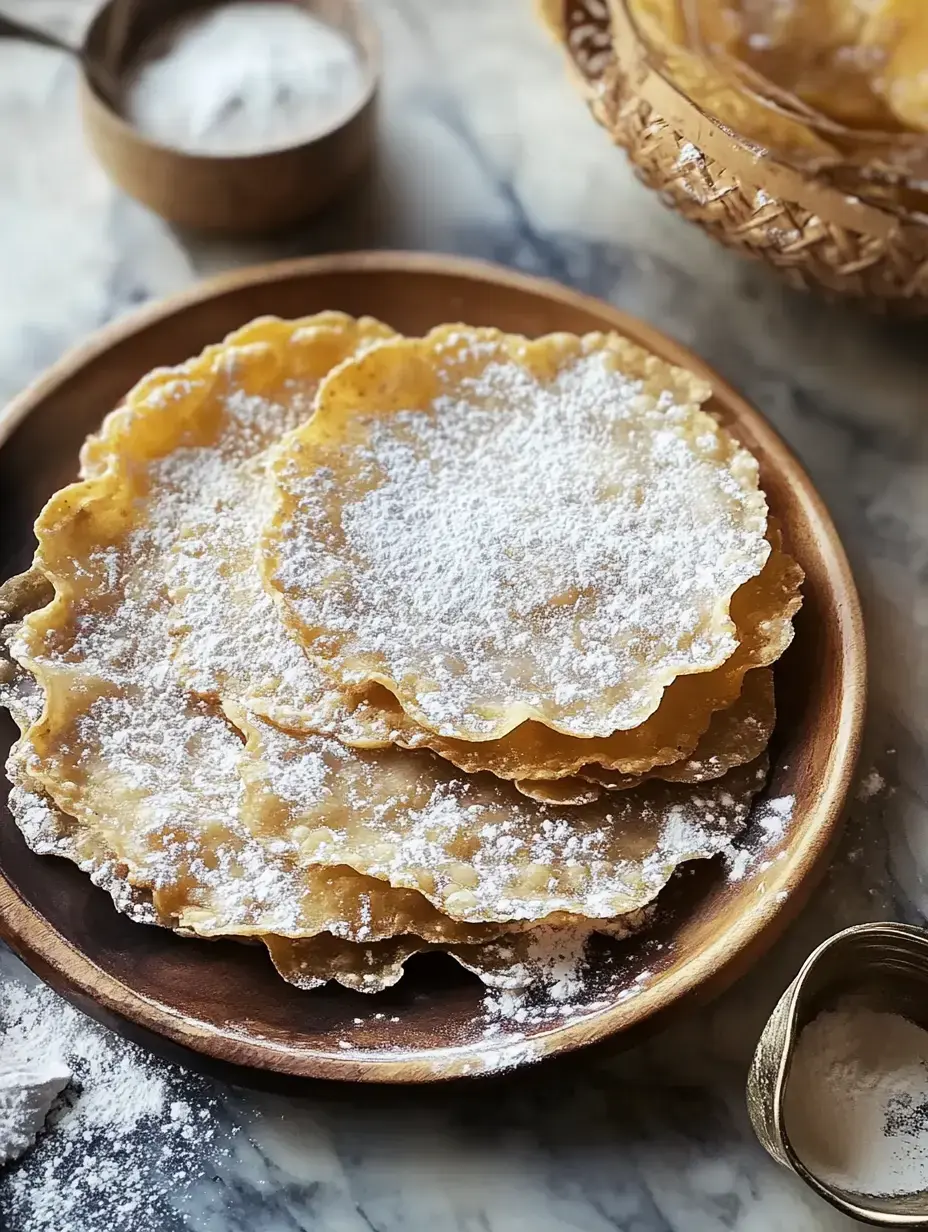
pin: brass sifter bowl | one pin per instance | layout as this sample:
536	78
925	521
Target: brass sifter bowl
885	967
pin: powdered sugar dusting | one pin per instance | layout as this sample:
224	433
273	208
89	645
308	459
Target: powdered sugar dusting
472	845
185	823
520	548
229	637
753	851
545	977
872	784
95	1166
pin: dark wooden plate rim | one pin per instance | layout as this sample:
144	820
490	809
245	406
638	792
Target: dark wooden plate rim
75	975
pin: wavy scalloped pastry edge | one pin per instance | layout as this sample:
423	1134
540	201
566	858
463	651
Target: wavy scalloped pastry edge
350	480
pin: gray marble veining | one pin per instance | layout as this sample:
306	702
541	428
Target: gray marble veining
486	151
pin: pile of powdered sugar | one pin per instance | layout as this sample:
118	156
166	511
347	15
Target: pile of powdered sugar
94	1165
242	78
856	1103
29	1086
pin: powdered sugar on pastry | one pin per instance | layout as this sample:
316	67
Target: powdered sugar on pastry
472	845
500	530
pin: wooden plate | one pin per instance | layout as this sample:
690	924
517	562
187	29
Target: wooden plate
224	1000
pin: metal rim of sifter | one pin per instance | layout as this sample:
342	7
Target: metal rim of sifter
882	965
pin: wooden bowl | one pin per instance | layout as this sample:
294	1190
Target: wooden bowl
812	231
223	999
225	194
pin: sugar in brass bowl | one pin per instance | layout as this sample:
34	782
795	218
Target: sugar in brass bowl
883	966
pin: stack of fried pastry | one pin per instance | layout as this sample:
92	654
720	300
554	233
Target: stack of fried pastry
360	645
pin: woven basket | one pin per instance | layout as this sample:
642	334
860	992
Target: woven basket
814	234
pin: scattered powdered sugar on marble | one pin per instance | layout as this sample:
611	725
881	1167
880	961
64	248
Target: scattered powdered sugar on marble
94	1166
872	784
522	546
751	852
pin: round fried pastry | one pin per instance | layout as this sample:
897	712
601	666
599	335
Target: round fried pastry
501	530
472	845
512	961
762	609
736	735
152	773
146	773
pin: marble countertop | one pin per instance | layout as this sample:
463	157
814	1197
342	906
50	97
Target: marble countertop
487	151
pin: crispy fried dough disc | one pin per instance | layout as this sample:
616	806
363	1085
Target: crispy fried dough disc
734	737
146	771
762	609
499	530
476	848
368	958
534	957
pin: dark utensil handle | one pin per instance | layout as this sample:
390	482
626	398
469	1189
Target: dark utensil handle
15	29
105	81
